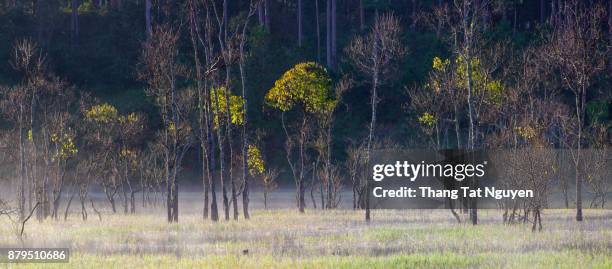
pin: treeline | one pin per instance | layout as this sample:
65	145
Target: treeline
228	85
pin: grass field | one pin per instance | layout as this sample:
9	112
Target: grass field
283	238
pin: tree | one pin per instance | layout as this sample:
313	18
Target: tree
330	179
575	50
257	168
203	71
17	105
228	111
241	67
148	20
102	122
160	69
469	13
375	55
306	88
331	27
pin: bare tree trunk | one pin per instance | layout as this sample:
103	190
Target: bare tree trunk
318	26
221	160
457	129
260	13
68	205
331	34
361	16
300	186
265	195
267	14
468	28
245	168
610	34
580	109
229	142
22	166
148	22
373	103
313	184
225	20
299	18
330	183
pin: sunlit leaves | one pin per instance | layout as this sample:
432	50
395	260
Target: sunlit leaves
307	85
427	119
236	106
526	132
66	148
482	82
103	113
255	161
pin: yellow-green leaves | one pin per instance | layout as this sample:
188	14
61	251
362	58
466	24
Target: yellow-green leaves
526	132
427	119
104	113
439	65
236	106
306	84
254	161
66	147
481	80
131	118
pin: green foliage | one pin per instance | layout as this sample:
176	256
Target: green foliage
236	106
306	84
255	161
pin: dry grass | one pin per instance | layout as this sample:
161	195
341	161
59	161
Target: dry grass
331	239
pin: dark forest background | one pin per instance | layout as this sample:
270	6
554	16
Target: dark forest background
96	47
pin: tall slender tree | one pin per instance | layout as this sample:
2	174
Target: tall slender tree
375	55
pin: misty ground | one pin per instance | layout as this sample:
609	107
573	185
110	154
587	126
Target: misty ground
281	237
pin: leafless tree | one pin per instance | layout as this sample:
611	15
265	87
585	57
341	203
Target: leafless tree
161	70
269	183
574	48
375	55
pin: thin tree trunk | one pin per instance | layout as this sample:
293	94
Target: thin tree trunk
221	159
245	169
361	16
468	33
68	205
301	187
373	102
148	22
580	103
331	34
299	18
318	25
22	168
267	14
610	34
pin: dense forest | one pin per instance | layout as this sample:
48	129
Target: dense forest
133	97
